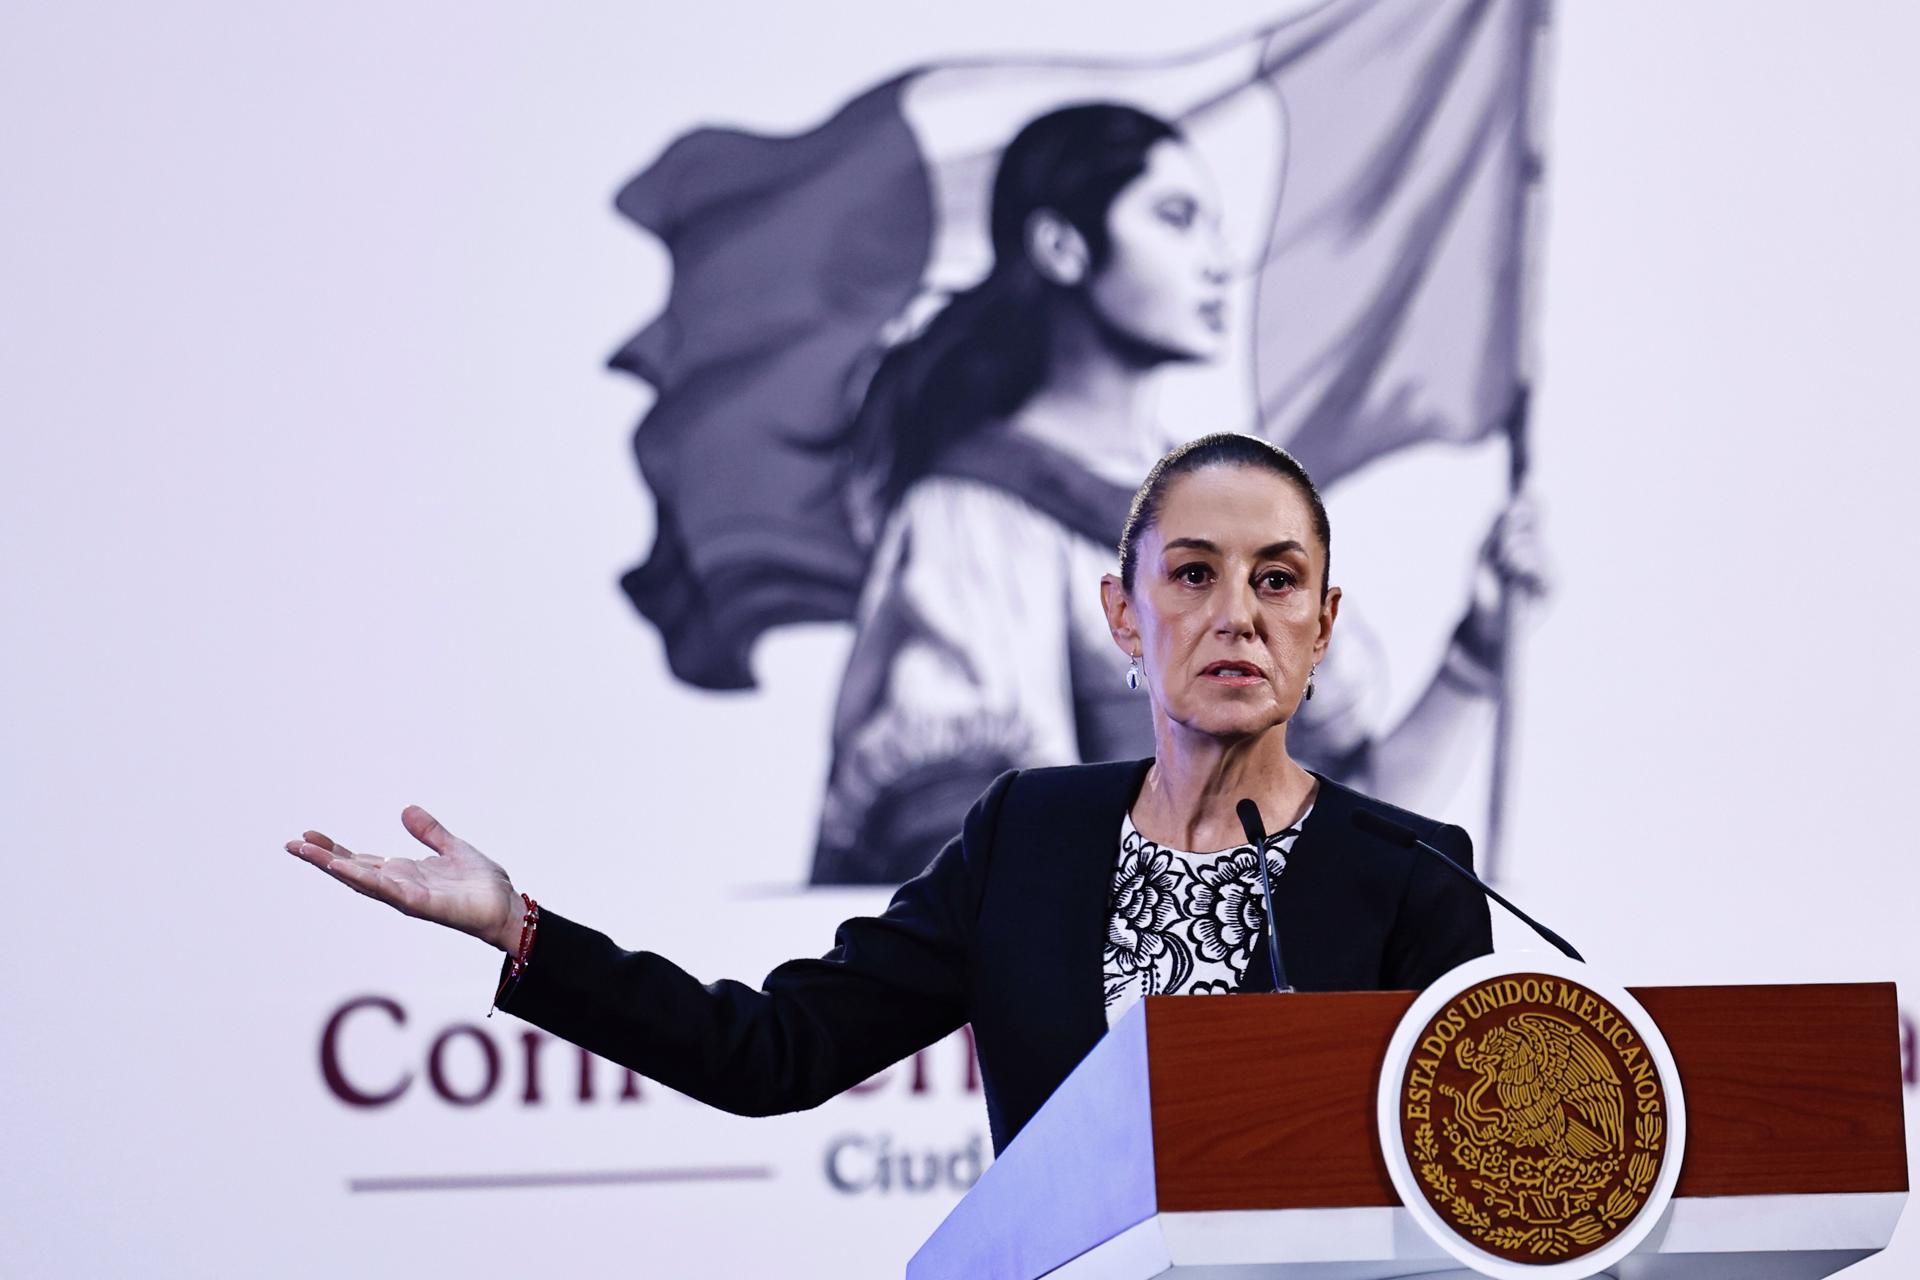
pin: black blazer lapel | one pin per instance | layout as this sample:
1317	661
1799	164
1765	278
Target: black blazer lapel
1036	988
1090	849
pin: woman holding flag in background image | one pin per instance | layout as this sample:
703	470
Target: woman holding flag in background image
943	501
1002	442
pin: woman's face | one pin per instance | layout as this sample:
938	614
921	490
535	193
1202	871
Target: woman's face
1226	611
1164	283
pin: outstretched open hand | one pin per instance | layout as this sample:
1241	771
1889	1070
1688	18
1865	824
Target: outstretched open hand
459	886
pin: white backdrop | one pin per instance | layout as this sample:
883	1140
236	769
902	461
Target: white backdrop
315	495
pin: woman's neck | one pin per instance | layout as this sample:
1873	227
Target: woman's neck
1095	406
1190	795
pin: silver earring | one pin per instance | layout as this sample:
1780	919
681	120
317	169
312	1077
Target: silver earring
1133	672
1310	676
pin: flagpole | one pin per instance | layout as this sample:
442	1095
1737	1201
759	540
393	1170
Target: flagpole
1527	217
1507	690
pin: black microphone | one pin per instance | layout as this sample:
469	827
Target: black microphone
1399	833
1257	836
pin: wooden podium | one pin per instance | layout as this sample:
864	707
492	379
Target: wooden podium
1235	1138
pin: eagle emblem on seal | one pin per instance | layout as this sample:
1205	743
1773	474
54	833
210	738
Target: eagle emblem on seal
1556	1092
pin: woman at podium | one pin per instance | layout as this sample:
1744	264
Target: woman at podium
1069	893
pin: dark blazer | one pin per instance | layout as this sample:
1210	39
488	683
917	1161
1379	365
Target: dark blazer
1005	930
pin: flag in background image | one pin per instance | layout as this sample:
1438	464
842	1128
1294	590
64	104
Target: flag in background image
1389	304
790	258
1373	157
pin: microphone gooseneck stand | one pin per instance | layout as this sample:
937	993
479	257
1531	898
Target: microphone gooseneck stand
1257	836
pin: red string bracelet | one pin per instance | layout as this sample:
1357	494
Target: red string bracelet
522	955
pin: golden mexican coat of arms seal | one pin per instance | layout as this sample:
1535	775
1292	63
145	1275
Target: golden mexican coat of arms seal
1531	1115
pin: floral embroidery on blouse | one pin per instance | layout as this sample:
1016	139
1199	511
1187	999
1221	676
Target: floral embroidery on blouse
1182	923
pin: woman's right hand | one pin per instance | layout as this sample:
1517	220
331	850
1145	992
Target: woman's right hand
459	886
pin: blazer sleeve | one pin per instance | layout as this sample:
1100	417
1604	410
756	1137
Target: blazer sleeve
892	984
1443	920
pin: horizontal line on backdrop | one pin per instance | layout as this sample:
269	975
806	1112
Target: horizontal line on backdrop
588	1178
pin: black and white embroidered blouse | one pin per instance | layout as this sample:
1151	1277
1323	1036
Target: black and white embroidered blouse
1182	923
